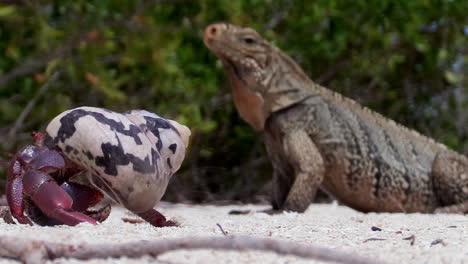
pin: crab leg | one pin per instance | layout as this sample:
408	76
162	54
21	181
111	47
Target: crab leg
14	192
99	215
52	199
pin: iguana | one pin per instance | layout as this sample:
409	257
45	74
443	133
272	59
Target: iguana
317	138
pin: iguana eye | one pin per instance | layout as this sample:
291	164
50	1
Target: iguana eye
249	40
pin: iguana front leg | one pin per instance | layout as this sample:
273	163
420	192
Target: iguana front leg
308	166
450	181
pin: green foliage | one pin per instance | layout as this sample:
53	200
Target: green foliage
405	59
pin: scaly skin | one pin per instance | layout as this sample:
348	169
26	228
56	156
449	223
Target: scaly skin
317	138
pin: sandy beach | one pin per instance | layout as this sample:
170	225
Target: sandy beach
393	238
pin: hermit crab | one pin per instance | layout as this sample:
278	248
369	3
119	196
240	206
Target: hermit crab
128	156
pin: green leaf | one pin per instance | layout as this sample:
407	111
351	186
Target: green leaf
7	11
451	77
51	66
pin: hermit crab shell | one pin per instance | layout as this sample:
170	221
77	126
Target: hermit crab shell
129	156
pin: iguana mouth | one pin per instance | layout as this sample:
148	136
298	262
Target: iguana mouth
228	63
235	70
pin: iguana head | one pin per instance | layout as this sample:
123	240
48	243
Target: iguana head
256	69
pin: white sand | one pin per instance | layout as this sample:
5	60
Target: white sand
324	225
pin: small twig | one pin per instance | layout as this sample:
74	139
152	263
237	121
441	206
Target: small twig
132	220
26	68
222	230
373	239
31	104
240	212
438	241
21	248
411	238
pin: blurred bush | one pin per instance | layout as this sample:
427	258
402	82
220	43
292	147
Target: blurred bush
405	59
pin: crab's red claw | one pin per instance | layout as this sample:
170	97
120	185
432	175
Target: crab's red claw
52	199
83	196
72	218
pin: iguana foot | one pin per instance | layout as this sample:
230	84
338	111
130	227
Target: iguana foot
450	181
461	208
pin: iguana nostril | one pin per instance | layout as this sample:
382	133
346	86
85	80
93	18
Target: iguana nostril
213	30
